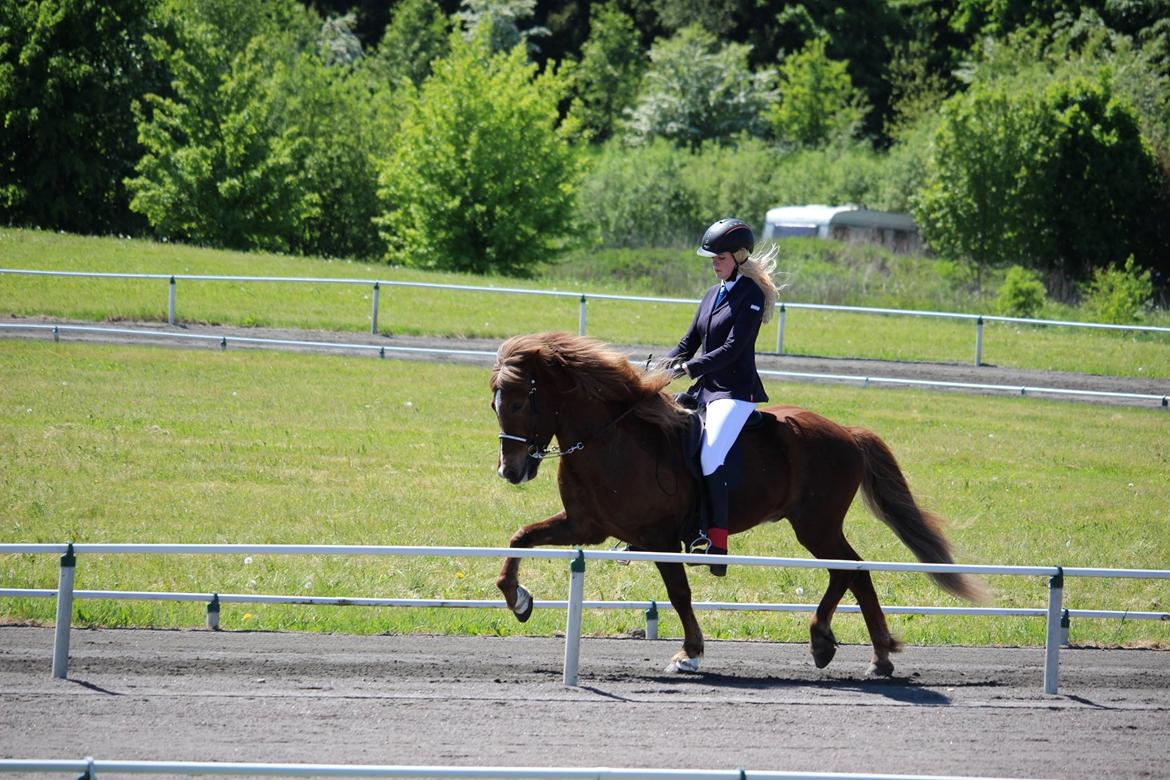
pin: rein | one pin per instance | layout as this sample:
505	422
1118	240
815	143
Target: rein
536	452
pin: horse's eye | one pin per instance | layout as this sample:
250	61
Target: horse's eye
516	406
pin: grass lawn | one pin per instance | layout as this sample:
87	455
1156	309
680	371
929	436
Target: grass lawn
498	315
146	444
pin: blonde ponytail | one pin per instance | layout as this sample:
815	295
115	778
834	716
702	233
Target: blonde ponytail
759	268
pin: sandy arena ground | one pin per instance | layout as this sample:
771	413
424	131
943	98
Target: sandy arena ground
490	701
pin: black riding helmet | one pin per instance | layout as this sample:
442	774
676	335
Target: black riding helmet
727	235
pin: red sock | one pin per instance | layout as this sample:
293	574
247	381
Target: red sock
718	537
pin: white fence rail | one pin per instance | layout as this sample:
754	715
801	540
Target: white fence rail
90	768
224	341
1054	615
582	298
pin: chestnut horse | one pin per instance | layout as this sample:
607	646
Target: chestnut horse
622	474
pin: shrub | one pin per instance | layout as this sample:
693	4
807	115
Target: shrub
1119	295
1021	294
638	197
481	178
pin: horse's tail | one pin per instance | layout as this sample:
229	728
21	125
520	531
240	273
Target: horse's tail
888	496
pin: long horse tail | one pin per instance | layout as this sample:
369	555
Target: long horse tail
888	496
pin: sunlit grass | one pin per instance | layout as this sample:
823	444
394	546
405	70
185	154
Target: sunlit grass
415	311
144	444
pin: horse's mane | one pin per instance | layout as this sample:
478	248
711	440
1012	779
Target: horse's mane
591	369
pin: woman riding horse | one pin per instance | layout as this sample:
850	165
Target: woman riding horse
623	475
728	386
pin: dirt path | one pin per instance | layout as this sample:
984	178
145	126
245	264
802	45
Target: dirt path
490	701
858	369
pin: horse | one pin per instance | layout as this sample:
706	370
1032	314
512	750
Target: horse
623	474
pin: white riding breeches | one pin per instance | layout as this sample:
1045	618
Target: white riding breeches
725	419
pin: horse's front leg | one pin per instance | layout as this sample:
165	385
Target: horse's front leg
558	529
679	590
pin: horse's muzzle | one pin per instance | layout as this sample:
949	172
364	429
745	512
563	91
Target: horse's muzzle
518	474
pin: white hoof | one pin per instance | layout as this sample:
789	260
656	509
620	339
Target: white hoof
523	603
681	664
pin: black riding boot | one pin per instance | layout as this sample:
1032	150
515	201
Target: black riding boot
716	487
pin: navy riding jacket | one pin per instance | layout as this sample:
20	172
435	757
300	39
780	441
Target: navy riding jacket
727	334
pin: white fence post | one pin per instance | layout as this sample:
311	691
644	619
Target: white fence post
1052	638
573	622
374	314
780	332
64	614
581	317
979	341
171	303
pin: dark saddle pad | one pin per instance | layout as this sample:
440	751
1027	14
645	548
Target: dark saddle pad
693	443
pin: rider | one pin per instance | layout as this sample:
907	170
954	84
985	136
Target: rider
725	326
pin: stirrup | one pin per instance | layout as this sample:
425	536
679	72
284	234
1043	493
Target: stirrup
621	547
700	546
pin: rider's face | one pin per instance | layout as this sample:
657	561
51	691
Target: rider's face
724	265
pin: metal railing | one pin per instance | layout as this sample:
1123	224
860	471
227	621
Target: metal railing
90	768
223	341
1055	613
582	298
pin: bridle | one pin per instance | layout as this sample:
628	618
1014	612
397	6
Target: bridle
537	452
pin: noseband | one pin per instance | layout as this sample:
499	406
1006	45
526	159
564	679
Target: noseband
535	451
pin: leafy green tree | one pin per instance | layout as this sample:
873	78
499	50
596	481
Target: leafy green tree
976	200
481	178
696	90
605	82
1054	177
70	71
222	166
415	37
265	146
818	103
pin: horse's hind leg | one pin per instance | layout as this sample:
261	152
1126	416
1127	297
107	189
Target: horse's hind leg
822	534
822	641
875	620
674	576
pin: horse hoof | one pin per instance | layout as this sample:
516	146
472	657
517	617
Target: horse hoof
822	657
683	664
884	668
523	608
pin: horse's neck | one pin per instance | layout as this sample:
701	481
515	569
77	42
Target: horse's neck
583	421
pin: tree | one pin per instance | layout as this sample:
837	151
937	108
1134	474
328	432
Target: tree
605	82
223	166
481	178
818	104
1052	176
69	72
696	90
415	37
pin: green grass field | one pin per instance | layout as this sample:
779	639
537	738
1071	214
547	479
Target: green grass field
145	444
497	315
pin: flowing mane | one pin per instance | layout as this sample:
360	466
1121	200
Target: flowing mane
591	369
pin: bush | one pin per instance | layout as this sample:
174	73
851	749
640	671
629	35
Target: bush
481	178
638	197
1119	295
1021	294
